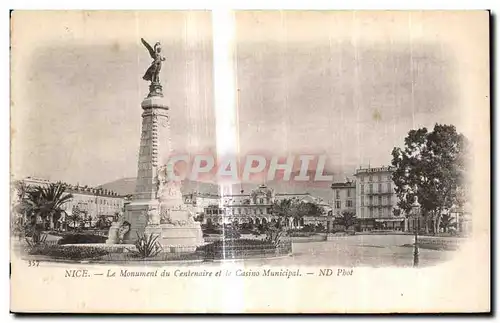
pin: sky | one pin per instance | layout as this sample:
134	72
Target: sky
344	84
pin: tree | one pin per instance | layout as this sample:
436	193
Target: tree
447	222
284	209
347	219
431	167
310	209
45	203
77	216
20	207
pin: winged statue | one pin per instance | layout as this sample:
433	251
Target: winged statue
153	72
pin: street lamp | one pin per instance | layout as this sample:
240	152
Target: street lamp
416	212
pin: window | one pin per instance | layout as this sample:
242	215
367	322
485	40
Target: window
362	189
348	192
379	178
370	178
380	200
370	188
389	200
371	213
362	212
349	203
362	201
261	211
337	194
388	187
371	200
380	188
337	204
261	201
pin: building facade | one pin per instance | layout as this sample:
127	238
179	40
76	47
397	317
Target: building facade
90	203
376	200
255	208
344	197
204	206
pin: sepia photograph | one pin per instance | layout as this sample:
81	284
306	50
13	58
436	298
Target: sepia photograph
282	161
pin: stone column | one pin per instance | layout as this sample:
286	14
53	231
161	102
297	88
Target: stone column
155	146
154	151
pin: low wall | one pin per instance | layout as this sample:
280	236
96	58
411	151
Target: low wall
313	238
439	243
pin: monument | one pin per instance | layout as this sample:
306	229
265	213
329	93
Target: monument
157	207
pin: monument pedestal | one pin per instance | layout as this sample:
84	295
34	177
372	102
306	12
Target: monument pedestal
136	213
174	238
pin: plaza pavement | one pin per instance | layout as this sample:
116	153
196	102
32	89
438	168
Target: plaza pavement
359	250
344	251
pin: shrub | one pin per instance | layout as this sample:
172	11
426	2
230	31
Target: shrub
81	238
231	234
148	246
274	235
212	231
36	239
67	252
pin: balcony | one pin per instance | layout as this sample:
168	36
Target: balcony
379	193
378	205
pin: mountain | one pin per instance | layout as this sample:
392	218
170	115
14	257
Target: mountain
122	186
125	186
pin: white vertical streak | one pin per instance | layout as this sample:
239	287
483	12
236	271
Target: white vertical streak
284	66
411	73
226	124
395	107
356	85
224	85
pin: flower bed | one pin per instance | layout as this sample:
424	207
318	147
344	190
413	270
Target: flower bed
244	248
162	256
67	252
81	238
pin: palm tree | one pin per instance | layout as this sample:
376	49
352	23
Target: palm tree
447	222
45	203
20	207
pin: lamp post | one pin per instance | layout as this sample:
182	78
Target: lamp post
416	212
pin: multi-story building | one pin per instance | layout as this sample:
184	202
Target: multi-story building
376	200
204	205
344	197
92	202
255	207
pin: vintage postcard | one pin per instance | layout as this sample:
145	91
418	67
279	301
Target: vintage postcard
236	161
